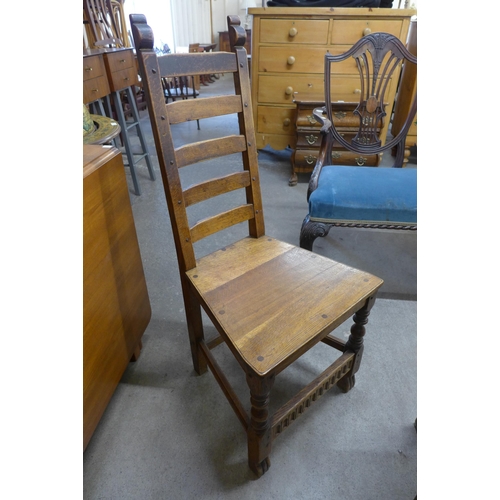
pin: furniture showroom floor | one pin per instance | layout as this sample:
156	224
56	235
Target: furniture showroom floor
169	434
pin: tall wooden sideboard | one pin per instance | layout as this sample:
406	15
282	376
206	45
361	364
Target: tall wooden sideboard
288	48
116	307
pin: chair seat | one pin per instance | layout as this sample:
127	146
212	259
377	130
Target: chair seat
353	194
273	301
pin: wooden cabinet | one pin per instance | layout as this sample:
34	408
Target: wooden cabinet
121	68
288	49
308	137
116	308
95	81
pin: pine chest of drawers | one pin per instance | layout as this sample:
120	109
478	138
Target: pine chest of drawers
288	48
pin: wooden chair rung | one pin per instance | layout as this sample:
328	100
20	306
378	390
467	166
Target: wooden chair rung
211	344
226	387
212	225
214	187
207	150
335	342
208	107
290	411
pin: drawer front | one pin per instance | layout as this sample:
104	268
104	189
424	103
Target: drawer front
123	79
294	31
121	60
93	66
296	59
94	89
348	32
274	120
307	158
280	89
312	138
305	118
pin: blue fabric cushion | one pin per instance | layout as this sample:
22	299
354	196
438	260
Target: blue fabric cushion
365	194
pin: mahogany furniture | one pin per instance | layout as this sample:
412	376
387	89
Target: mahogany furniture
288	48
269	301
309	136
354	196
116	308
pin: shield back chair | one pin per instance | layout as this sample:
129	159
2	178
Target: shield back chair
364	197
269	301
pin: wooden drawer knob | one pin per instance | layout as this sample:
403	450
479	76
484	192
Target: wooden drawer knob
289	91
293	32
366	31
290	60
286	122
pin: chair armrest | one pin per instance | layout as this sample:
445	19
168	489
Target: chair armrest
325	149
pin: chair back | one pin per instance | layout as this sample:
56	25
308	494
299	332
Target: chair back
378	58
172	157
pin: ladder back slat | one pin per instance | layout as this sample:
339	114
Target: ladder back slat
172	65
212	225
189	110
212	148
215	187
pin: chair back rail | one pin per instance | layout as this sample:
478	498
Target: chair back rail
153	69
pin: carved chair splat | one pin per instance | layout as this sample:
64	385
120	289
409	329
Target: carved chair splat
269	301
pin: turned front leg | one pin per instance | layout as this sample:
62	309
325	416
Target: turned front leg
355	344
259	431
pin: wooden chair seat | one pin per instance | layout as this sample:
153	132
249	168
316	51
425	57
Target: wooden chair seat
262	285
269	301
364	197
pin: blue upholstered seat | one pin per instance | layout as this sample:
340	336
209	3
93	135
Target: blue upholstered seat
345	194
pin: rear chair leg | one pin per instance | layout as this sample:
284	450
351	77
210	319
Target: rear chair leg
355	344
259	430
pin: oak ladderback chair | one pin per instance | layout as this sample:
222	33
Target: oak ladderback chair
365	197
269	301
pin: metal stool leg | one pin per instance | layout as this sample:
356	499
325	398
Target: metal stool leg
128	148
136	117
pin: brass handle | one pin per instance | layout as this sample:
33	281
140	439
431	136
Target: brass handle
366	31
289	91
290	60
286	122
94	90
126	79
293	32
336	155
361	161
311	119
340	114
357	91
88	68
311	139
122	60
310	159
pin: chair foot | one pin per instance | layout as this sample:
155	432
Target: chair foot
310	231
293	179
261	468
345	384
